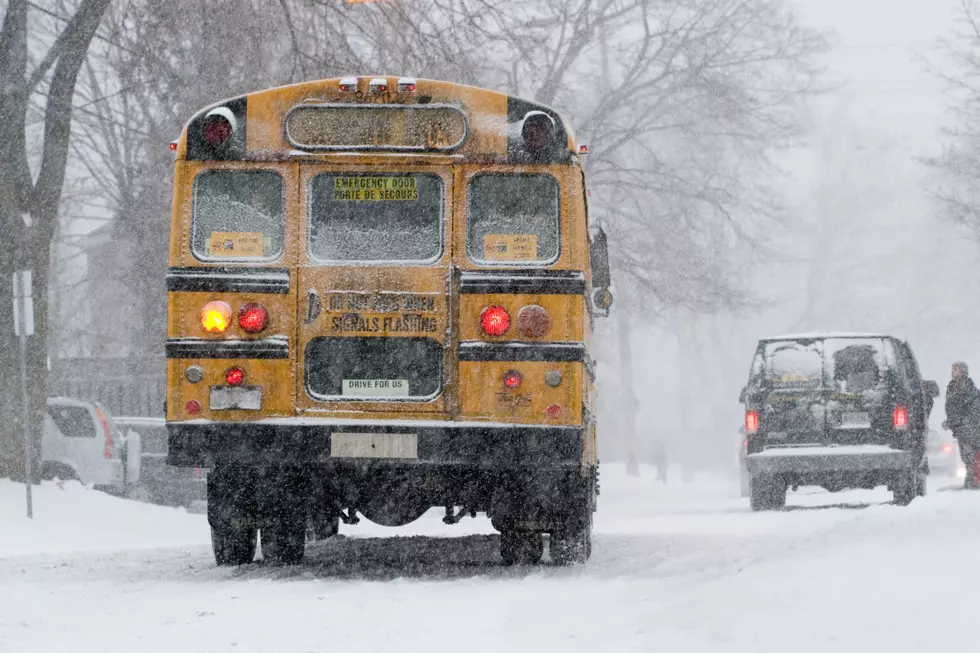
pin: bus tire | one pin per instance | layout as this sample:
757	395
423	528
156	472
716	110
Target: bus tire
766	493
572	544
521	547
231	514
284	517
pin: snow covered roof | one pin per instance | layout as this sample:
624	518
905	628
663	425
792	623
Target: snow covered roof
821	335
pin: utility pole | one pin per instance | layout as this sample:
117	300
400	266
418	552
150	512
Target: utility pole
23	328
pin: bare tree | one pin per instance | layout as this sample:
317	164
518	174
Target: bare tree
959	163
30	194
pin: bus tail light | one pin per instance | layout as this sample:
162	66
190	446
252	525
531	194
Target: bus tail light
407	85
193	407
751	421
538	131
900	418
378	85
253	318
512	380
234	376
106	434
218	126
495	320
553	411
216	317
533	321
348	85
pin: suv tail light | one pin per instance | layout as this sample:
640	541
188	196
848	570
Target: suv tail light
106	432
751	421
900	417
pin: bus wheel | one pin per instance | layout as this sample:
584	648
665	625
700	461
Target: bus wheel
231	514
520	547
572	544
284	519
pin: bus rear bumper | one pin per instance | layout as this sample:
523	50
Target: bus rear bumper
449	444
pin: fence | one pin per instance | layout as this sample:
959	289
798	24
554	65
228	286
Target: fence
133	387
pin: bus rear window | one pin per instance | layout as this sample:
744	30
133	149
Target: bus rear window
237	214
513	219
374	218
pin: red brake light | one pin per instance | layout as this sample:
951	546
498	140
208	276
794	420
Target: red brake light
216	130
193	407
751	421
234	376
553	411
900	417
495	320
512	380
253	318
947	448
106	432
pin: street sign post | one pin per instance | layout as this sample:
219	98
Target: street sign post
23	328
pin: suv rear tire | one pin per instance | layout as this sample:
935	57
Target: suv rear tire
767	492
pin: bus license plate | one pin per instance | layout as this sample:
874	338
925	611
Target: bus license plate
374	445
231	398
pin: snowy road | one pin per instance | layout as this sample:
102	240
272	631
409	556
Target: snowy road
685	568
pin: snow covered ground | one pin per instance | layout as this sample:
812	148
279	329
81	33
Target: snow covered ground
677	568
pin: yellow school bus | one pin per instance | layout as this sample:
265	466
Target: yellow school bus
381	296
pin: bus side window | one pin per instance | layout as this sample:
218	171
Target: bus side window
601	276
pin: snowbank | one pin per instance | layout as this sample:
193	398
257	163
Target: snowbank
71	518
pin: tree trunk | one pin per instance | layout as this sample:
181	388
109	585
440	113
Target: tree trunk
629	403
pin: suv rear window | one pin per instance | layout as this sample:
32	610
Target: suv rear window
848	365
237	215
73	421
513	219
374	218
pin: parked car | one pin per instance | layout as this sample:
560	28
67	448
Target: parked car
172	486
944	454
835	410
82	442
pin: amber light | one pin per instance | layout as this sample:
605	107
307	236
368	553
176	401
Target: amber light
751	421
216	317
253	318
495	320
234	376
512	379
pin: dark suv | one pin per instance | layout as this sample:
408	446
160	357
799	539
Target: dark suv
835	410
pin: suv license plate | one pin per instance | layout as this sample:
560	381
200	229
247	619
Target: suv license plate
374	445
855	420
231	398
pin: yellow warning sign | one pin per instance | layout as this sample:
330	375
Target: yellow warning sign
236	244
510	247
375	189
